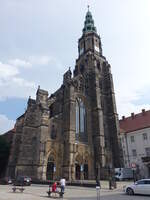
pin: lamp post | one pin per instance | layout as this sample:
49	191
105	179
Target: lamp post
98	188
98	192
43	150
110	177
97	179
81	170
54	171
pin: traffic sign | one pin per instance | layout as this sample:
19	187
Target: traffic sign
133	166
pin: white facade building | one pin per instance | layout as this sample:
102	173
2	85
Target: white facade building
135	141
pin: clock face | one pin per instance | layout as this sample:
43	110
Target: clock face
97	48
81	51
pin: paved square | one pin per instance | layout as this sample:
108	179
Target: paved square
38	192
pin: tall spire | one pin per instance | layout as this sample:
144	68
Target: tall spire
89	23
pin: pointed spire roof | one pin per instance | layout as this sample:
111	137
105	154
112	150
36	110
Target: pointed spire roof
89	23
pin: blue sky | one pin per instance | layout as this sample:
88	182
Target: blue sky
38	42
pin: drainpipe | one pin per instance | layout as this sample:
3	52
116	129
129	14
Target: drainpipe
127	148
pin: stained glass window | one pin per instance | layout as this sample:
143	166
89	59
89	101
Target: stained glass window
80	118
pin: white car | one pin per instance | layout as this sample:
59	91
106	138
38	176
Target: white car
140	187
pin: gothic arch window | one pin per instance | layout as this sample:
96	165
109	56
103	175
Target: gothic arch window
53	132
50	168
80	120
51	158
34	148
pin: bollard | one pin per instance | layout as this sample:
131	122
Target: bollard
98	192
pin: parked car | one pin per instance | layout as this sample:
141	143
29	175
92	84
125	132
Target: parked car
5	181
23	180
140	187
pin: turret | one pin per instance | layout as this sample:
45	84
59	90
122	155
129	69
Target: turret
41	96
67	76
90	40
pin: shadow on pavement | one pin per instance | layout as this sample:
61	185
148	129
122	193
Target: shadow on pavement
113	197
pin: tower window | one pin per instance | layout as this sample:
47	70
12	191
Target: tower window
53	132
51	108
98	65
82	68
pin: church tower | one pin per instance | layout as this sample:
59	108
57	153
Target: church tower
95	126
73	132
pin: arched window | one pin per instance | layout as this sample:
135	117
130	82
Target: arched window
50	159
80	120
51	168
53	132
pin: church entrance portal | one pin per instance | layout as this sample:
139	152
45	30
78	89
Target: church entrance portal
50	169
85	171
78	172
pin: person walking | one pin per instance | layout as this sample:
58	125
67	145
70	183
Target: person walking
62	184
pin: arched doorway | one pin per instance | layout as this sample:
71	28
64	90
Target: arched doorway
78	162
85	171
50	168
78	173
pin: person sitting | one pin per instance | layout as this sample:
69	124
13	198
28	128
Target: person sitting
54	187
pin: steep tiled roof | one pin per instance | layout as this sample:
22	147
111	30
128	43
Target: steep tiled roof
135	122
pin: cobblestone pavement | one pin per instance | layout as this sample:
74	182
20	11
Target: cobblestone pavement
38	192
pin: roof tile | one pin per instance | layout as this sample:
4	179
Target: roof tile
135	122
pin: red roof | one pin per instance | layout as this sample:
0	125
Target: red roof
135	121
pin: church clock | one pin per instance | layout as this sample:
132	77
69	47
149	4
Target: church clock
97	49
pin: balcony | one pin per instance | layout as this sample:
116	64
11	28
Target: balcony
146	159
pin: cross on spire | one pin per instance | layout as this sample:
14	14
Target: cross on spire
88	7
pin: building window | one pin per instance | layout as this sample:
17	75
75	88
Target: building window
132	139
77	117
134	152
124	153
147	150
53	132
80	119
144	136
122	139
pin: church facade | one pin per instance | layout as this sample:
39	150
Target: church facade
73	132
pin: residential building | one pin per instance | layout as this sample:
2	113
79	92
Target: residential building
135	140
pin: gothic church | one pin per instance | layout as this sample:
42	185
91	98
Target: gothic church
73	132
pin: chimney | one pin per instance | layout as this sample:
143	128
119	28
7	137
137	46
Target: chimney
143	111
132	115
123	117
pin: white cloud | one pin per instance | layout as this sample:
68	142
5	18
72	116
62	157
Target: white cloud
31	60
7	71
5	124
13	84
40	60
19	78
20	63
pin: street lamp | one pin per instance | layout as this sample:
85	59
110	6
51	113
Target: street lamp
98	192
81	170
